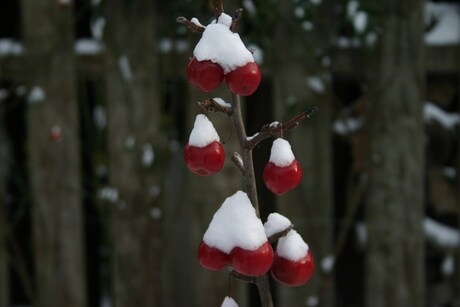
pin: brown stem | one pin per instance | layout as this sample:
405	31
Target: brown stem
273	238
192	26
218	6
212	106
262	282
249	174
236	20
276	128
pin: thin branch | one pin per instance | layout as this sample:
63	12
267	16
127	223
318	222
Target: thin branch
271	130
238	160
218	6
236	20
191	25
211	105
235	274
273	238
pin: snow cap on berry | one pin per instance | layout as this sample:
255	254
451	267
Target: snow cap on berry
235	224
229	302
276	223
281	153
220	45
292	247
203	132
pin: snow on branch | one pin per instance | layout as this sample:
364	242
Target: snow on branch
271	130
195	27
214	105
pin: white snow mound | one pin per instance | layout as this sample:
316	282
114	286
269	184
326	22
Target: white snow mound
203	132
235	224
292	247
229	302
281	153
220	45
276	223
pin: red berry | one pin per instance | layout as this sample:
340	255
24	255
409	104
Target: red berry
293	273
204	161
244	80
56	133
205	75
211	258
252	263
279	180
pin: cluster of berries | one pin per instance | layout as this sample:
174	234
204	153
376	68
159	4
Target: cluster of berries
236	237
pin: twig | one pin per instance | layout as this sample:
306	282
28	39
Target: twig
273	238
235	274
238	160
218	6
236	20
213	106
270	129
191	25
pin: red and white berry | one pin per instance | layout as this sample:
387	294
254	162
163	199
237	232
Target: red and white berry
282	172
293	264
204	154
236	235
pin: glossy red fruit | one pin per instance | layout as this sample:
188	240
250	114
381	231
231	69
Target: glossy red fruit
212	258
279	180
244	80
205	75
293	273
252	263
204	161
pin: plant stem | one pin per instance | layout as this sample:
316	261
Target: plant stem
248	173
250	186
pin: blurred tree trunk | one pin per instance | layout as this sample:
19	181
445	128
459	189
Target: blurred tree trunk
54	165
302	82
4	165
395	201
136	154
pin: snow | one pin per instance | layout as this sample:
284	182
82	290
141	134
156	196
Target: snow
447	27
203	132
352	8
220	45
3	94
148	155
130	141
235	224
276	223
156	213
449	172
195	21
222	102
448	266
109	194
250	138
274	124
10	47
250	7
346	126
307	25
229	302
281	153
360	21
292	247
88	46
125	68
441	234
316	84
36	95
312	301
100	117
257	53
327	263
434	113
97	28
